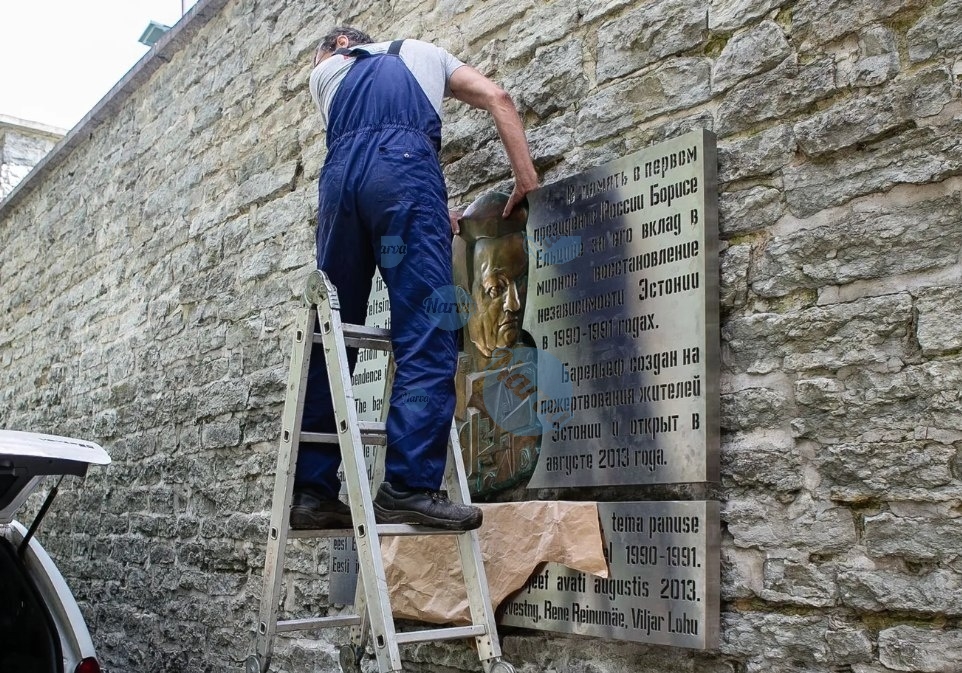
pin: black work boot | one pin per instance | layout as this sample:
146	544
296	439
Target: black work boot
310	512
425	507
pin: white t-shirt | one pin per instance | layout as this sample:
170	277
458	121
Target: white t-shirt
431	66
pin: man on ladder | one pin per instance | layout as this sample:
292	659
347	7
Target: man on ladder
382	182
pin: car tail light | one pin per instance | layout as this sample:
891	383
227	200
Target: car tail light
88	665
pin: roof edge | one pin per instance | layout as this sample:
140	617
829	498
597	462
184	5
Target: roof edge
34	128
163	50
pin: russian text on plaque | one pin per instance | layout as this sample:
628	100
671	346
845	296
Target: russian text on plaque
624	262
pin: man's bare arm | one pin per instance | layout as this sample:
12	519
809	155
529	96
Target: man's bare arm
470	86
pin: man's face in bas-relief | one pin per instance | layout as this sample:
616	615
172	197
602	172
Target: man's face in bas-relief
499	289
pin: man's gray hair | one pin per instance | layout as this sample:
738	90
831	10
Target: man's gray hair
353	35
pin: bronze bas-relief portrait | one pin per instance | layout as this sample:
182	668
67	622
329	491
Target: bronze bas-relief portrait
491	262
499	287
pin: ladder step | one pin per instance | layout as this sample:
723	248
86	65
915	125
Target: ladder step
371	433
383	530
431	635
319	533
361	336
317	623
404	529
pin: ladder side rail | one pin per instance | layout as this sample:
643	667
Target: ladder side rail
359	633
472	564
284	482
359	490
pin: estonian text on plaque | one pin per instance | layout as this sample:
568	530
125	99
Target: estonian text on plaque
663	586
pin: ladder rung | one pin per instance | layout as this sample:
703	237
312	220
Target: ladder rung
384	530
361	336
320	532
403	529
317	623
431	635
371	433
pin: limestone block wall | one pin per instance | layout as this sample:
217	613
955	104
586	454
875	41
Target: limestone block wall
148	275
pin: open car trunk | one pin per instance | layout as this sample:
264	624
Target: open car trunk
41	628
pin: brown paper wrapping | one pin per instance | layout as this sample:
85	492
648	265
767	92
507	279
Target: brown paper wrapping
424	573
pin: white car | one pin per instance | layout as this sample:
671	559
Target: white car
41	627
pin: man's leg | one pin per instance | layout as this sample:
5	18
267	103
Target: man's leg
344	254
425	351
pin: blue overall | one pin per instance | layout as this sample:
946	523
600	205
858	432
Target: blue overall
382	178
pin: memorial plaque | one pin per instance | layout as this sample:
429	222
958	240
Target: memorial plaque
345	569
663	586
624	292
369	381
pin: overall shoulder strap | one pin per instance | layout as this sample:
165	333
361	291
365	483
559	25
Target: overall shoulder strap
394	50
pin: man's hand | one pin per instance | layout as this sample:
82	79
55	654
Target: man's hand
518	195
455	217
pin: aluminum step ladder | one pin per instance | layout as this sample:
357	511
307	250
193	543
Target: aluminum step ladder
372	603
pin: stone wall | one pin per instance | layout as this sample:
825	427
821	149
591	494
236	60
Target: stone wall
148	276
22	145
